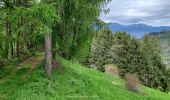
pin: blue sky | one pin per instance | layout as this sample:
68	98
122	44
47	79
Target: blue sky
151	12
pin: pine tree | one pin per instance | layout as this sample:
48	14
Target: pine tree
140	58
157	70
99	49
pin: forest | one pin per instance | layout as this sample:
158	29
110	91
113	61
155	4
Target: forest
60	49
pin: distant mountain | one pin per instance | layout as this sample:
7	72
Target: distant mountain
136	30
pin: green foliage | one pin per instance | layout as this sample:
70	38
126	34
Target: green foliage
131	56
128	56
77	23
168	74
23	27
30	20
99	49
84	49
164	44
142	59
154	61
76	82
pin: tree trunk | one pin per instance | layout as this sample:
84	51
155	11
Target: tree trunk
12	49
17	49
48	56
7	39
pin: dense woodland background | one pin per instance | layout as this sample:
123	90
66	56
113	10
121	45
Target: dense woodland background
71	29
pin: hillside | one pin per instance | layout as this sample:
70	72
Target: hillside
136	30
73	82
49	50
164	40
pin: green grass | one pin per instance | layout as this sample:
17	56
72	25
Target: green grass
74	83
5	71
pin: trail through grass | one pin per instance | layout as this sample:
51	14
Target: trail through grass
76	82
18	76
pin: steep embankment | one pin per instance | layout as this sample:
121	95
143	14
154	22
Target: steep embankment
74	82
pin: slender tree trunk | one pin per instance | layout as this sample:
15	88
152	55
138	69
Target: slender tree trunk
8	36
48	56
12	49
54	46
7	49
17	49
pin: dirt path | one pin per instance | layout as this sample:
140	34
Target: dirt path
34	64
30	63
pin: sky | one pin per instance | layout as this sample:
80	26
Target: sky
150	12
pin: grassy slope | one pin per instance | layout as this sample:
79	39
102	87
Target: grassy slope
75	83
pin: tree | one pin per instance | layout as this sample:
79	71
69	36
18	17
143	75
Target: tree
48	17
77	22
99	49
28	27
127	52
142	59
26	22
165	50
74	26
157	70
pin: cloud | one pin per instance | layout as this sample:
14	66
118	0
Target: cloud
151	12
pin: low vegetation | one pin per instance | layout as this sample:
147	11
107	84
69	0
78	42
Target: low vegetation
75	82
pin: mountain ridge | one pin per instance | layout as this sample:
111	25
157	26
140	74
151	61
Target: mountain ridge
136	30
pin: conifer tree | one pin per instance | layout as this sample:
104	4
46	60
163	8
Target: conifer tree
157	70
99	49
